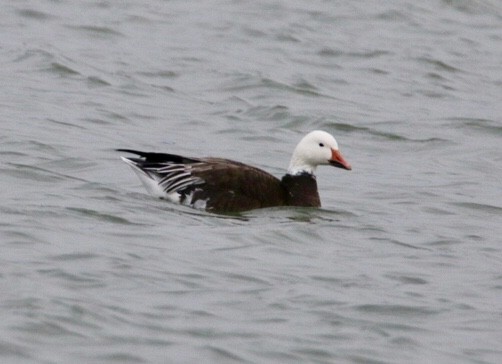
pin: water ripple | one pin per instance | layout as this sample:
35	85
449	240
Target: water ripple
487	208
35	14
100	216
97	31
396	310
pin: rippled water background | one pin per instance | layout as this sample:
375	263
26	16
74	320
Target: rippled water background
402	264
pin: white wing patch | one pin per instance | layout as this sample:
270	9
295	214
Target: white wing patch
175	177
168	181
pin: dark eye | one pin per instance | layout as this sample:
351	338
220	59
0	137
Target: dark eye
321	144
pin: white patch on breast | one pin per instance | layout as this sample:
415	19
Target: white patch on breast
198	204
174	197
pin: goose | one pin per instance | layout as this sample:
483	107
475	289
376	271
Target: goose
225	186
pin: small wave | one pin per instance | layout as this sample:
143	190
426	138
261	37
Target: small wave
34	14
396	310
96	31
477	124
491	209
100	215
62	70
439	65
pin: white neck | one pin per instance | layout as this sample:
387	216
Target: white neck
298	166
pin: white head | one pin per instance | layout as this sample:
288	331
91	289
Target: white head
316	148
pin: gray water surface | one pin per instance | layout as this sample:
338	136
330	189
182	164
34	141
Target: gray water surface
402	264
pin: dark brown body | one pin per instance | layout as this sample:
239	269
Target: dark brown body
232	187
228	186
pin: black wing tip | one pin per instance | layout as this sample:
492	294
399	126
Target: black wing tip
145	155
159	157
132	151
